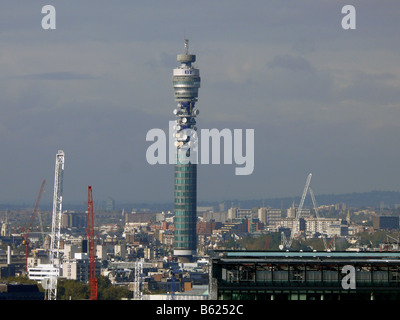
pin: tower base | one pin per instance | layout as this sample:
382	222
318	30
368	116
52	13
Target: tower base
185	255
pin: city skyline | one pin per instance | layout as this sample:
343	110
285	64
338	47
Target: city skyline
319	98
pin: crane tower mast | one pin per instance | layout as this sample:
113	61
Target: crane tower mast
92	255
25	234
56	223
288	243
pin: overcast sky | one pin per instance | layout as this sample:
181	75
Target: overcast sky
321	99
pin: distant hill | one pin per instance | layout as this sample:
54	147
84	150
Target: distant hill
352	200
374	199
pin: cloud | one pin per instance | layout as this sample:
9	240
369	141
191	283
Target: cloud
60	75
291	63
377	90
319	98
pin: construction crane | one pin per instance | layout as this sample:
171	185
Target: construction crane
332	244
317	214
25	234
286	244
54	254
394	245
41	225
173	271
266	245
137	290
92	254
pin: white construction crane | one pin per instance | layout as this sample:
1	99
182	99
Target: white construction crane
54	254
317	214
286	244
137	290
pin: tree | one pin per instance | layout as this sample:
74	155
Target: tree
72	290
269	241
107	291
75	290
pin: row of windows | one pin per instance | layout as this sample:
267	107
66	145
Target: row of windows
191	188
187	225
185	240
185	194
190	75
186	160
189	91
184	219
185	175
187	83
185	181
305	295
182	210
184	232
184	200
185	208
184	229
178	218
181	168
184	169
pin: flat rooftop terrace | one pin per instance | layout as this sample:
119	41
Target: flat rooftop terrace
305	275
308	255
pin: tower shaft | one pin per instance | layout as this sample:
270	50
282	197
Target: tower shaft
186	82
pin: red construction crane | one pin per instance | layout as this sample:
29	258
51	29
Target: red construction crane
25	234
92	256
332	243
266	245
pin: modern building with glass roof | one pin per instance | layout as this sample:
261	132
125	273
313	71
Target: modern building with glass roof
290	275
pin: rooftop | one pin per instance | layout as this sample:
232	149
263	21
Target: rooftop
337	256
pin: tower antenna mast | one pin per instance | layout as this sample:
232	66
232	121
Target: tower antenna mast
186	46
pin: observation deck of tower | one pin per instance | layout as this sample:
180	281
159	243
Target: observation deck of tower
186	83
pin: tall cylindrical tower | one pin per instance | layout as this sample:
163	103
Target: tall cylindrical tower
186	83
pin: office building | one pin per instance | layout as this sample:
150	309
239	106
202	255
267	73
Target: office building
78	268
385	222
269	216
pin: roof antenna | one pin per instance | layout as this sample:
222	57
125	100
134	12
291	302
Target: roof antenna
186	46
